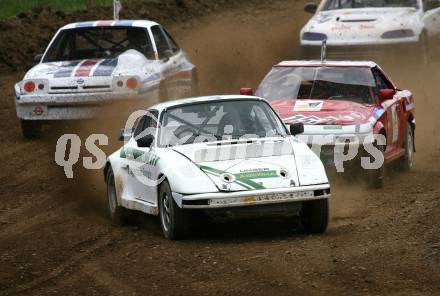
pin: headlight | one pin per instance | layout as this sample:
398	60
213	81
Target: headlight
404	33
36	86
310	36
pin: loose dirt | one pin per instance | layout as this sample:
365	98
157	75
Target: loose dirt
55	237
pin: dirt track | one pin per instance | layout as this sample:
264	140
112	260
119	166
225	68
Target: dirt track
55	237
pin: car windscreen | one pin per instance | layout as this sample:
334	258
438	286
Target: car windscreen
355	84
98	43
218	120
348	4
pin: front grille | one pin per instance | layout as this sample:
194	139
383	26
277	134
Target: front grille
64	87
79	89
96	87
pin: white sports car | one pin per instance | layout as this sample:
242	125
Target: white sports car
90	63
363	28
220	155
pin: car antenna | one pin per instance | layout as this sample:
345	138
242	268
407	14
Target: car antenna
324	51
116	9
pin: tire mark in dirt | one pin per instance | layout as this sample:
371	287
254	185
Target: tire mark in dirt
97	245
110	283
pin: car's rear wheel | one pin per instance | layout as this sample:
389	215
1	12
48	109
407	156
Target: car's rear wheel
375	177
174	220
406	163
314	215
31	129
118	215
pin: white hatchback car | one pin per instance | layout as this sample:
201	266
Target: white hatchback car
364	28
89	64
220	155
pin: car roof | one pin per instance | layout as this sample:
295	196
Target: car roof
319	63
163	106
111	23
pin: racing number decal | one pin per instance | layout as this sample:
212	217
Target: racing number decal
395	123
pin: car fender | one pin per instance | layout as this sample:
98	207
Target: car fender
310	168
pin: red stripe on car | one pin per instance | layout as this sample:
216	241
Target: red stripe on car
104	23
85	68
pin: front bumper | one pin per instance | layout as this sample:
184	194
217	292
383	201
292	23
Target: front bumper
75	106
223	200
331	147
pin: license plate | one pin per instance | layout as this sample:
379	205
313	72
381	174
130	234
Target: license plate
261	198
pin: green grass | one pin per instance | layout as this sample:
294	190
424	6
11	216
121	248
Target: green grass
10	8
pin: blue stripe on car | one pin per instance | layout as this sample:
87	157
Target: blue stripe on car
84	24
106	68
124	23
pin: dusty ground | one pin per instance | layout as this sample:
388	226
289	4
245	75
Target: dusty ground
55	237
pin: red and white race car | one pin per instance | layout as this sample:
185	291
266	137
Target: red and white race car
351	111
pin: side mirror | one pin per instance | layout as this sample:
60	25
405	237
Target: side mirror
246	91
386	94
145	142
37	58
296	128
311	7
125	134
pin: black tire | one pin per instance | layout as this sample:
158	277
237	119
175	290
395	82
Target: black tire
173	220
31	129
406	163
118	215
375	178
314	216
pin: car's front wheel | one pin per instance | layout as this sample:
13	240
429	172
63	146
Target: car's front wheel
31	129
406	163
375	177
314	215
118	214
174	220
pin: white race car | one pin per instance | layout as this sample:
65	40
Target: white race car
90	63
221	155
364	28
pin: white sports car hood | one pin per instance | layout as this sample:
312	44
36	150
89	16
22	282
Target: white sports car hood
358	26
65	76
267	164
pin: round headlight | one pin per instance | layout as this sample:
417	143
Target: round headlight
132	83
29	86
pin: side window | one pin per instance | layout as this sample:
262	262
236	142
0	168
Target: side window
381	81
147	121
138	39
173	44
163	48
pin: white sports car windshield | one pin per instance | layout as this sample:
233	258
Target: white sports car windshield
98	43
347	4
219	120
324	83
